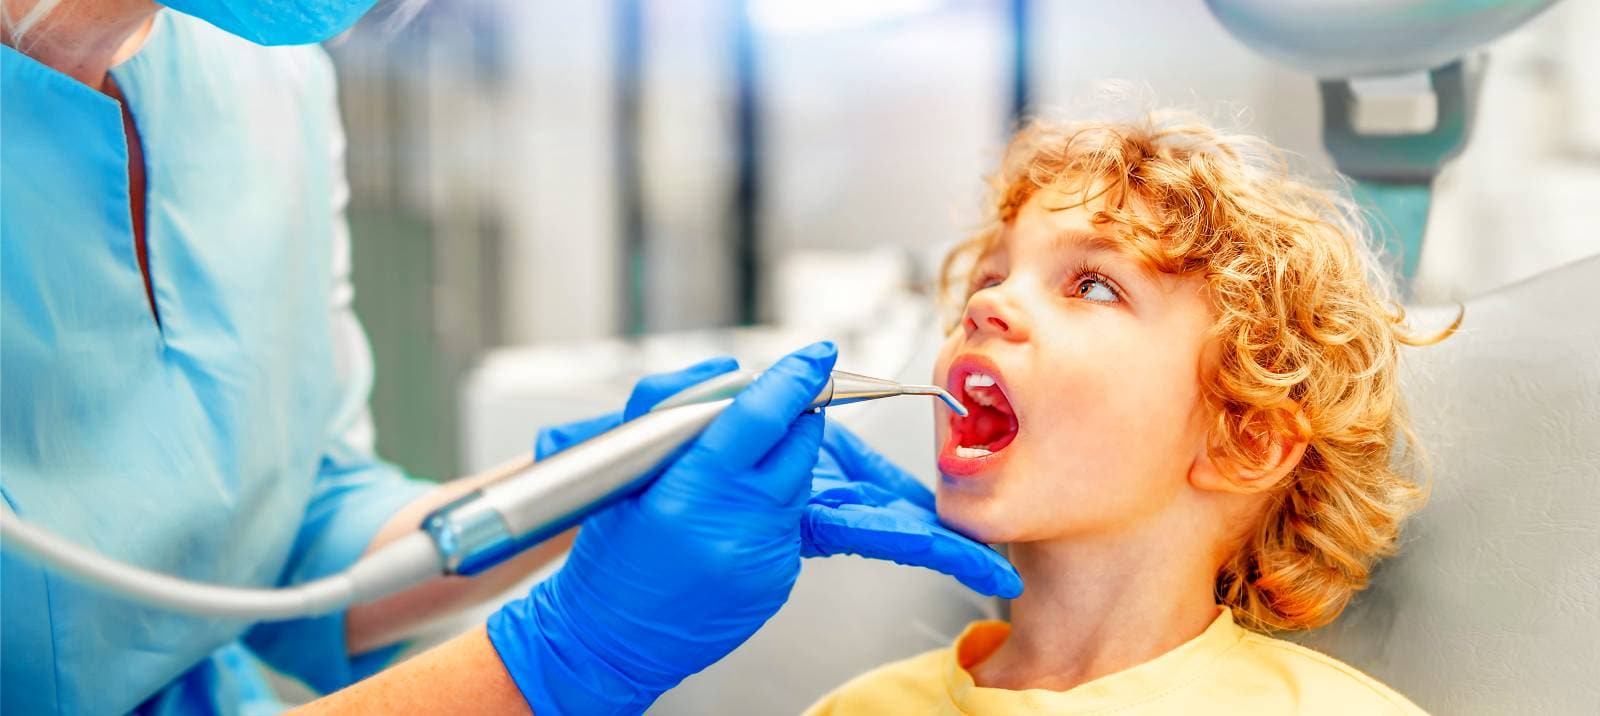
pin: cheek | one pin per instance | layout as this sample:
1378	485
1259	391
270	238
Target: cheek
1093	396
1131	395
1115	433
947	353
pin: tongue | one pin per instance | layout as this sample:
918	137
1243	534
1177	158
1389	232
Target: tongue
987	428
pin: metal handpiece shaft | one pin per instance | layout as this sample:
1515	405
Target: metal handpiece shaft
493	523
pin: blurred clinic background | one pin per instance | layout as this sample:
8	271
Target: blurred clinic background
552	198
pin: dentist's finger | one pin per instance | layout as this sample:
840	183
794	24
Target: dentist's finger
655	388
883	534
762	414
861	463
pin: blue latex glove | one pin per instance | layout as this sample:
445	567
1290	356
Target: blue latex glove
661	585
861	503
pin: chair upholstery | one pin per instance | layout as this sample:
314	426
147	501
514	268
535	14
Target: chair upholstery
1493	603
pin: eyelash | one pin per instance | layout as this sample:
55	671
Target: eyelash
1087	270
1091	271
1084	270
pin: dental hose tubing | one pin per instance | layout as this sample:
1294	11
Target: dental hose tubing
409	560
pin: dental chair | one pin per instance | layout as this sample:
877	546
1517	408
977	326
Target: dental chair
1492	604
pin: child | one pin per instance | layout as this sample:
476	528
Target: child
1182	373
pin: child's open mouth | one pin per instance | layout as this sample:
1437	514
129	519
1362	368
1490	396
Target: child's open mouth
991	423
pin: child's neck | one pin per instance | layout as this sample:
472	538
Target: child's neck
1093	609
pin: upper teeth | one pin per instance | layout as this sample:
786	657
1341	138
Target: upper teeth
979	380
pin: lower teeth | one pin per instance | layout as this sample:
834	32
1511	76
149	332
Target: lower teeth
962	451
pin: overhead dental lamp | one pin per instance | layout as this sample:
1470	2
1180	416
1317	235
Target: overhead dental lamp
1385	54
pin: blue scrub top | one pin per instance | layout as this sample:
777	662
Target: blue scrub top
218	444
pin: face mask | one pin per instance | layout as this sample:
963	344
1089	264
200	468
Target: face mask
277	22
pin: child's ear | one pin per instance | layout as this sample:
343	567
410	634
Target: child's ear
1275	444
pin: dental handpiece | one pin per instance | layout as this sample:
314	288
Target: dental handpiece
495	522
467	536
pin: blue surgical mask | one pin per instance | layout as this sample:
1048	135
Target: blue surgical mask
277	22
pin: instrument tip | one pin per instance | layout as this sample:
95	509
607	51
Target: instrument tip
939	393
951	401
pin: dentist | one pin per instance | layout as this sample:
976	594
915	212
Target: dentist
176	353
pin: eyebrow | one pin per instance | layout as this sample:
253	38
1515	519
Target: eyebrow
1090	241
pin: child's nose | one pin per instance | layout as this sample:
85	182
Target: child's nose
989	312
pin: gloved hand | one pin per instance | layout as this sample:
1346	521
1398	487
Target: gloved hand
861	503
662	584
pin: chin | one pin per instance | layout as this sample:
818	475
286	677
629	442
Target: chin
981	517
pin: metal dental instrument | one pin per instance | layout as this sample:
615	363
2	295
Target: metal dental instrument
484	528
844	388
471	534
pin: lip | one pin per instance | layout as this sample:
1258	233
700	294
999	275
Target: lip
950	463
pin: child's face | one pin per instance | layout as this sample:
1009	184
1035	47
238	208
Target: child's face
1097	361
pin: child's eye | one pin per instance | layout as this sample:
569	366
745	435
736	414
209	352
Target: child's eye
1094	288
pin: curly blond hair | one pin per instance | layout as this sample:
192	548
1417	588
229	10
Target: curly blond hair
1303	314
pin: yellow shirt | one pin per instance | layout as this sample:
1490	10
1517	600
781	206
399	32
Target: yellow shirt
1226	670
